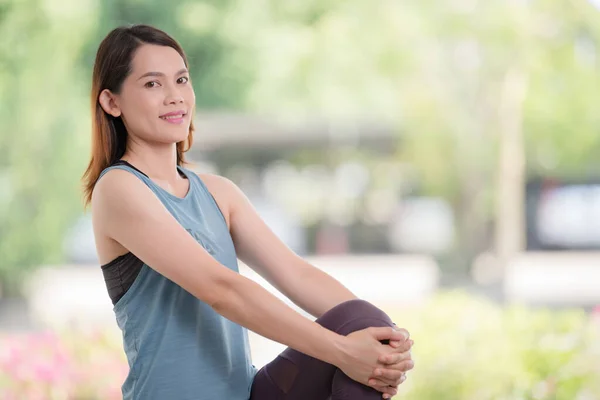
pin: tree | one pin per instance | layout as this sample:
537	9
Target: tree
219	72
470	84
477	88
43	127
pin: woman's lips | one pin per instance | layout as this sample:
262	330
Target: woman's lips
174	118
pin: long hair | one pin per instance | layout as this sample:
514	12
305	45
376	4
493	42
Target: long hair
111	68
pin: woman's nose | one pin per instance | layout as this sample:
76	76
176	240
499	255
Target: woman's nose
173	96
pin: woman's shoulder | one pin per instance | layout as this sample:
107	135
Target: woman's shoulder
112	191
223	190
215	181
113	180
118	186
220	186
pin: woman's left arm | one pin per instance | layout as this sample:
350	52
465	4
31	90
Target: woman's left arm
307	286
258	247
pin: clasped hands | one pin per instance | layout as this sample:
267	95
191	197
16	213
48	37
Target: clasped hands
379	358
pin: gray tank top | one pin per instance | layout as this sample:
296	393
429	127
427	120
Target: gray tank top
178	347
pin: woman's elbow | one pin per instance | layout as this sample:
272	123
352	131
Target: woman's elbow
221	292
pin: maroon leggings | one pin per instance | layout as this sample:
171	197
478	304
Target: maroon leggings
296	376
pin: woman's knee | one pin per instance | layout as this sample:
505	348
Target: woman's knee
354	315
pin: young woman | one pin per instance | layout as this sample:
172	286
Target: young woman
168	241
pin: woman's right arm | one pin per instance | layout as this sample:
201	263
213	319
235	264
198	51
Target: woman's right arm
125	210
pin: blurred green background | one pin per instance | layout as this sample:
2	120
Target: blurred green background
465	132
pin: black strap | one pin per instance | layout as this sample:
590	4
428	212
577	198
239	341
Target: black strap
123	162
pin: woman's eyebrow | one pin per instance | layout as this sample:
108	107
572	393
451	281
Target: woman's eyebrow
160	74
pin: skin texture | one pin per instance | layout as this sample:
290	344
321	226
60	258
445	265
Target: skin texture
128	217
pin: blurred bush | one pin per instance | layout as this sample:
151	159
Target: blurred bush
70	365
466	348
469	348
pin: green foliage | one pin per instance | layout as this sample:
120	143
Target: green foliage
46	58
219	72
467	348
433	70
436	71
43	125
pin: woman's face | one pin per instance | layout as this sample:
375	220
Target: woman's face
157	100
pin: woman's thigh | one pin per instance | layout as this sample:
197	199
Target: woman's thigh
296	376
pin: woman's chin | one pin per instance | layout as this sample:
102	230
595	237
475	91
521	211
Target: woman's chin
174	136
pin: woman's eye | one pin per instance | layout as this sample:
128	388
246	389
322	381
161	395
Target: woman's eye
151	84
183	79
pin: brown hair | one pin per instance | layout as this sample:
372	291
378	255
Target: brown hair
112	66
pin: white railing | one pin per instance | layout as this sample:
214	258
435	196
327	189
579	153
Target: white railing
63	295
557	278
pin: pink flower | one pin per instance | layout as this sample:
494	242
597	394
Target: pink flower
46	374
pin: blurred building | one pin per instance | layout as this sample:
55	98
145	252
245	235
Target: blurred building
563	214
340	181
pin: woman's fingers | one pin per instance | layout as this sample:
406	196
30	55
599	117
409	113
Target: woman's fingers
396	348
387	391
378	383
401	345
387	333
395	358
386	379
392	370
392	374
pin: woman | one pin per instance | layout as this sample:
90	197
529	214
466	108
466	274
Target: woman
168	241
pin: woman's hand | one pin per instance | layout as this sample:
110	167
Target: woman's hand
362	350
392	371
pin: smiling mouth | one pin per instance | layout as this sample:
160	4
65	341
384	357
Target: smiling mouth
173	117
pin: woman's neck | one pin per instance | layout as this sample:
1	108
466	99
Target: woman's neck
159	163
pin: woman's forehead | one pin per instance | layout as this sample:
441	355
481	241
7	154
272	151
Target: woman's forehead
153	58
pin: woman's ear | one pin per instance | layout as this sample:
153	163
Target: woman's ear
109	104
